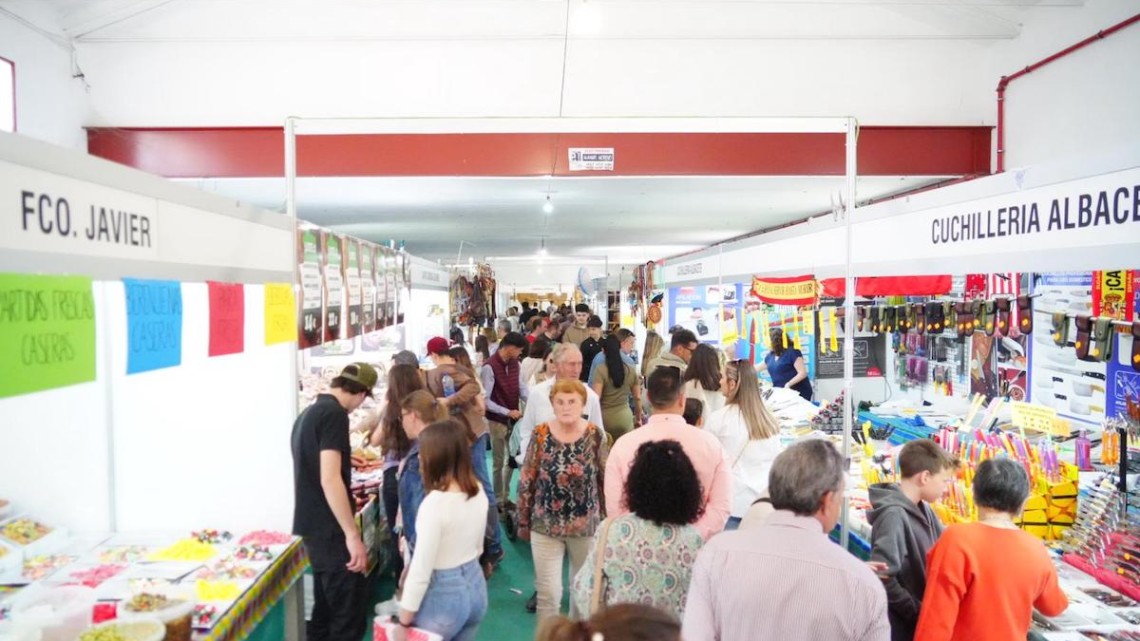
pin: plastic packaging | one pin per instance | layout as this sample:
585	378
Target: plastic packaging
175	616
137	630
60	613
1084	452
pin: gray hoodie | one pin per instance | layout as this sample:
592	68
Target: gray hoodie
902	532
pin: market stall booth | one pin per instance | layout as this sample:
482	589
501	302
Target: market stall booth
148	335
997	316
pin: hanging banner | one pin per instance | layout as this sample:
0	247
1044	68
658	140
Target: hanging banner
352	278
368	286
47	332
154	324
794	290
381	287
334	285
311	321
877	286
280	309
227	318
395	285
1112	294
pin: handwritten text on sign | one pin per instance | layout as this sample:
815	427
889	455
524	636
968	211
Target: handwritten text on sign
1033	417
227	318
154	324
280	313
47	332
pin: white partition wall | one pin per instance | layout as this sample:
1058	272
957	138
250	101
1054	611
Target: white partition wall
201	444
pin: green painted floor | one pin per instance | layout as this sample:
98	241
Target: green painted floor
507	591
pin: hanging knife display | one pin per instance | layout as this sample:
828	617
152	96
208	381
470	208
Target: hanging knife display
1025	314
1002	305
920	318
1060	328
1101	343
1084	334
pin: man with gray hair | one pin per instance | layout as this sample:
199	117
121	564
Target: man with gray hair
785	580
502	328
567	365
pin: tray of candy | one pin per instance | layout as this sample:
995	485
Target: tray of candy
32	536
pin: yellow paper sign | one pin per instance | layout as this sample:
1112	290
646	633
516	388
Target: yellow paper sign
280	313
1062	428
1033	417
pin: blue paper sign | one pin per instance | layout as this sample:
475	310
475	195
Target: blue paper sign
154	324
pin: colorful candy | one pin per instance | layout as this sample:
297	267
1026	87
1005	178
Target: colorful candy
253	553
96	576
186	550
205	616
148	602
24	531
228	569
211	536
264	537
123	554
41	567
218	590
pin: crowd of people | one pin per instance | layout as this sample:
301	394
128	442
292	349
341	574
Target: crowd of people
664	481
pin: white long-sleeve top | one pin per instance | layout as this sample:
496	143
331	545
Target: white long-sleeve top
449	533
750	461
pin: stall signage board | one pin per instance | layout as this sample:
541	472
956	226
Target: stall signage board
154	324
794	290
1089	212
868	352
334	286
352	275
280	309
47	332
45	212
591	158
368	285
227	318
311	322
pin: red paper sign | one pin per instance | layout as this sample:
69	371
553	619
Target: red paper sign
227	318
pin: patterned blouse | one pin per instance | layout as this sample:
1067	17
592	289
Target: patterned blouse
561	485
644	563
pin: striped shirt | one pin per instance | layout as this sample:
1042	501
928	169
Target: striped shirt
783	581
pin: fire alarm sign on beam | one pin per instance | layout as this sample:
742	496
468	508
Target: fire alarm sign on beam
591	159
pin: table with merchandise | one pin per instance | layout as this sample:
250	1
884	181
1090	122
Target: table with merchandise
206	585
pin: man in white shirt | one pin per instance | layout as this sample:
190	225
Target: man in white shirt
567	366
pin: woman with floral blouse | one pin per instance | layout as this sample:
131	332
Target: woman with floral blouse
647	556
561	492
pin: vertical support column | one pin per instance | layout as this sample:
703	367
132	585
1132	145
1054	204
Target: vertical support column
291	211
849	318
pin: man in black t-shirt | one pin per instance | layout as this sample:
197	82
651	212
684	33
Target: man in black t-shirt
323	514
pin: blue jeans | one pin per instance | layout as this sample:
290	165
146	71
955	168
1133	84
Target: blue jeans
455	603
492	539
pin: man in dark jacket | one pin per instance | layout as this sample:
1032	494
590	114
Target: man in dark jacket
904	528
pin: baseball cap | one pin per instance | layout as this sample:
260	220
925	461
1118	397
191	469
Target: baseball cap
362	373
406	357
438	345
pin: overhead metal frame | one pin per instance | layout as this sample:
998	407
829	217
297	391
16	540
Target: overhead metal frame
848	126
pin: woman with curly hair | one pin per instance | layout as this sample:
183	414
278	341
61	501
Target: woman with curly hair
647	555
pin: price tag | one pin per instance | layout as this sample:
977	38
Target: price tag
1034	417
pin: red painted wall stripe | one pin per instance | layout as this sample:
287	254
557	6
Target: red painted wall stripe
259	152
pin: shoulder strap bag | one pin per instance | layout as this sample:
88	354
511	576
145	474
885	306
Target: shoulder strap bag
600	583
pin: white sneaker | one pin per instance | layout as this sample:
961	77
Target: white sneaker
388	608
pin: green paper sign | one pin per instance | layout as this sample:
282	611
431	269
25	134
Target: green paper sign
47	332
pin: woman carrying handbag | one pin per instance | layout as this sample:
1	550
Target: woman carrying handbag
647	556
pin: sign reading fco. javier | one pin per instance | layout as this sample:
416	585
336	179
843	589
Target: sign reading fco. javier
45	212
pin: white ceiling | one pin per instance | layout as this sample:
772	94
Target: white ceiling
622	220
228	20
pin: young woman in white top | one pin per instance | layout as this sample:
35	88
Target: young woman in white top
749	433
445	591
703	380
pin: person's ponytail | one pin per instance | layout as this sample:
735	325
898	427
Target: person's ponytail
560	628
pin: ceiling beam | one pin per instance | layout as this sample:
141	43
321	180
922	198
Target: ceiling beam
101	15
